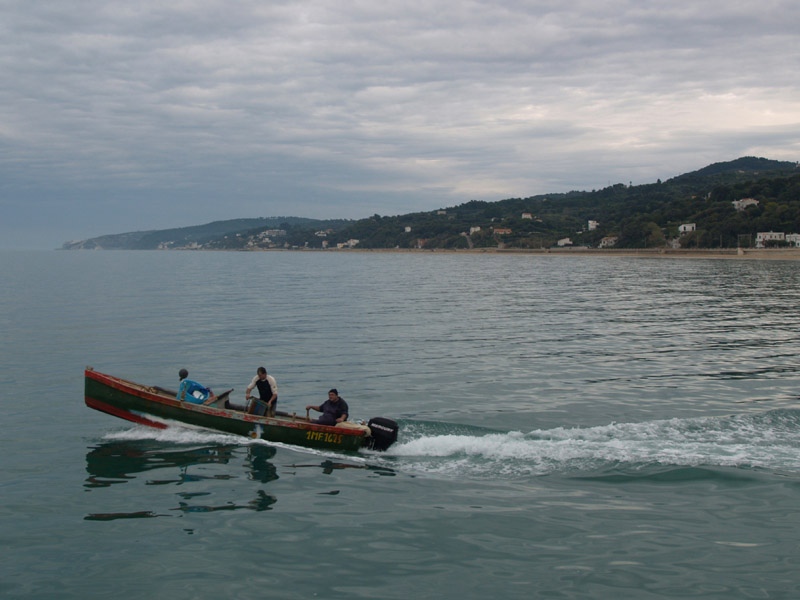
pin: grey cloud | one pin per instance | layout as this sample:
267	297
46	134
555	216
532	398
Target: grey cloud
194	111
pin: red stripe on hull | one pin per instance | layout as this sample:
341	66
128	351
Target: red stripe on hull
122	414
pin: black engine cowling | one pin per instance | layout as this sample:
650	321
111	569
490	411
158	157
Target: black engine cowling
384	433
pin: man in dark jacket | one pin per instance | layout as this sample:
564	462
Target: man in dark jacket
334	410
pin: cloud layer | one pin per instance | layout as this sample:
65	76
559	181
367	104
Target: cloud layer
117	116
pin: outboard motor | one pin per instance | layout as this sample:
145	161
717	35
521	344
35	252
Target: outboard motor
383	433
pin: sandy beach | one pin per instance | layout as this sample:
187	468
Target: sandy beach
724	253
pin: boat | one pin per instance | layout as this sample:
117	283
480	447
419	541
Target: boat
158	407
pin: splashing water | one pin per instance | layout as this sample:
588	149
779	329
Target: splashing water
767	441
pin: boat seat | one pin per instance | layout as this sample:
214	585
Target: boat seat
351	425
219	401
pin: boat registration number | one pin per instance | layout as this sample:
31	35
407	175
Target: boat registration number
321	436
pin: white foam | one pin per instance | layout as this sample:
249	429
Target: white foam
727	442
178	435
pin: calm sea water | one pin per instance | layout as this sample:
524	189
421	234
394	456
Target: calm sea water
572	427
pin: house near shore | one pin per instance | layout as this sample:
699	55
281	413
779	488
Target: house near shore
564	242
501	230
762	237
687	228
609	241
593	225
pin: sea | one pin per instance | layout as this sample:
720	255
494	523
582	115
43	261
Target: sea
572	427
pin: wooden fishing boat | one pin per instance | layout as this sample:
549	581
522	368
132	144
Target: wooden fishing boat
158	407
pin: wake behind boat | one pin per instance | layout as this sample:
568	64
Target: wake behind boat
154	406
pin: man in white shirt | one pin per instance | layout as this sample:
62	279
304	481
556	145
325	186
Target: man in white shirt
267	391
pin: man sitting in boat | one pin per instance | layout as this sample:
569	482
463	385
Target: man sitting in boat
191	391
334	410
267	391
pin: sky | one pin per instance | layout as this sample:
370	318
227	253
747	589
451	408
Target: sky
120	116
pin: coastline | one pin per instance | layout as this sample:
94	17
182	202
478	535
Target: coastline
680	253
724	253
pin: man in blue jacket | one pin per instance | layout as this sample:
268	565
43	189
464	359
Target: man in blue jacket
191	391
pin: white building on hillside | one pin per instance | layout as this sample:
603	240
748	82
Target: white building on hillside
743	203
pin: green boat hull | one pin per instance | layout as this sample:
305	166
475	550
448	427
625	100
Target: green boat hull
154	407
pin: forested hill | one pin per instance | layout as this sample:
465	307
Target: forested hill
639	216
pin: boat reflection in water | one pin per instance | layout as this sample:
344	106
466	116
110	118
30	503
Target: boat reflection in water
118	462
329	466
192	469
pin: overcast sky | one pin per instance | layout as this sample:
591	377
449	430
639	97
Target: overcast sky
122	116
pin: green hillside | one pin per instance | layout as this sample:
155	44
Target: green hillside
636	216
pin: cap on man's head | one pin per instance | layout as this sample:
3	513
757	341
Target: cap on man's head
334	391
183	373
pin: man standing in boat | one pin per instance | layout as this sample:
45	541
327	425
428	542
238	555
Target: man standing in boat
267	391
334	410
